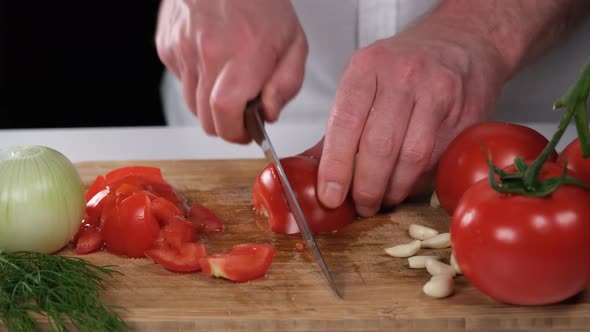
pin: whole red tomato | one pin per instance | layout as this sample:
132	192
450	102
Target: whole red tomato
465	159
302	172
521	249
575	161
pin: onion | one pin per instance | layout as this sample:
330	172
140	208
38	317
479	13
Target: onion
42	199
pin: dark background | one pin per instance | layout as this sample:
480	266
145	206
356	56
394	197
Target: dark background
79	64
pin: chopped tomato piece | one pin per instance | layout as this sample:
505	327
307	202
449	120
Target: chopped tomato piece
130	228
152	174
89	240
243	263
96	186
204	219
184	260
164	210
178	231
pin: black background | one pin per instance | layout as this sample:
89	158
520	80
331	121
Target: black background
79	64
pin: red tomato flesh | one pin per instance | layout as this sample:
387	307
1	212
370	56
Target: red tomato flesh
572	154
242	263
269	199
185	259
204	219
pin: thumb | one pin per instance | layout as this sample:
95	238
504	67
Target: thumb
315	151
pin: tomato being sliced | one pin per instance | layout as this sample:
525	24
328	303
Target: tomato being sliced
186	259
204	219
130	229
268	198
242	263
465	160
152	174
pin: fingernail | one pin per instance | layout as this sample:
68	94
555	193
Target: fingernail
364	211
332	194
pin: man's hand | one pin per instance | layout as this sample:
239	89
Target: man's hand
227	52
403	99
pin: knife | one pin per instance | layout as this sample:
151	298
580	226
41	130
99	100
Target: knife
255	127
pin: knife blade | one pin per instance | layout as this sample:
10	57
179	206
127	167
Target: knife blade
255	127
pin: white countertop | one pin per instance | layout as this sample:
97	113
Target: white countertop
159	143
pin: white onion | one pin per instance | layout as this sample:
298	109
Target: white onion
42	199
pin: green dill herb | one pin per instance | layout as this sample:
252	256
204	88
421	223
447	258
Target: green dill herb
64	289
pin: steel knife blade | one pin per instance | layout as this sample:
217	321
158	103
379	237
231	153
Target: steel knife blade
255	127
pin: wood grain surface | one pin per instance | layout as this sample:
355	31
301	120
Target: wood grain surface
380	292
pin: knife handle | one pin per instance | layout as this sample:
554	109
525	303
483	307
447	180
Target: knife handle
253	119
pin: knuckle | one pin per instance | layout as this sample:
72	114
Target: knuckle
346	118
410	66
219	105
209	48
417	155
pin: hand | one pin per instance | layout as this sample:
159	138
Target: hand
227	52
399	104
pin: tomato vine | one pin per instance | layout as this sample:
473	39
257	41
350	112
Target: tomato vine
526	181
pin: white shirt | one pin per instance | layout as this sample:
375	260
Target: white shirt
336	28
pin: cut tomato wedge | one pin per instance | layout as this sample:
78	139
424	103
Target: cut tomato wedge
178	231
89	240
184	260
164	210
152	174
204	219
130	229
242	263
97	185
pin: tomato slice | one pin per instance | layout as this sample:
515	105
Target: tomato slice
204	219
178	231
152	174
164	210
242	263
89	239
184	260
130	228
97	185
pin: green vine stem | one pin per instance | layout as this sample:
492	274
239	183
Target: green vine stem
526	180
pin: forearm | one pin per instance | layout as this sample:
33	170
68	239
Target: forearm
518	29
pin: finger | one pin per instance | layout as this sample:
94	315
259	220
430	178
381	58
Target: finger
189	90
415	158
202	101
352	102
286	80
315	151
240	80
379	147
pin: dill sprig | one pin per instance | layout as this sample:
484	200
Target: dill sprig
64	289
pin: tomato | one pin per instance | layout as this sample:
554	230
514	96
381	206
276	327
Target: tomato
178	231
572	154
130	228
242	263
465	160
204	219
164	210
185	259
88	239
269	199
521	249
97	185
146	173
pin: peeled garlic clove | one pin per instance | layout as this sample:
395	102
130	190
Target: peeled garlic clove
404	250
435	268
420	232
439	286
439	241
454	264
434	202
419	262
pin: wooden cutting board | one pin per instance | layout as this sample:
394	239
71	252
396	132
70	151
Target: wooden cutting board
380	292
